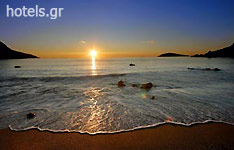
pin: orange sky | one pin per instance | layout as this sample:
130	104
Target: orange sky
80	51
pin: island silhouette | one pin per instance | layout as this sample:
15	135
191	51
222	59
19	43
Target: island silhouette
224	52
172	55
8	53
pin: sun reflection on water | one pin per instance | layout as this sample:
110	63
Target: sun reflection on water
93	67
93	63
93	53
96	114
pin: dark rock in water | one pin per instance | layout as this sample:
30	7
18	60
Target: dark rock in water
17	66
205	69
134	85
31	115
132	64
121	84
147	86
216	69
190	68
209	69
152	97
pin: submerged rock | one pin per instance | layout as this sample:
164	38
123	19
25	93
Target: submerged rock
17	66
121	84
205	69
191	68
147	86
132	64
31	115
217	69
134	85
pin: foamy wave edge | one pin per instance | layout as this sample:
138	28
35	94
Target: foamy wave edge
119	131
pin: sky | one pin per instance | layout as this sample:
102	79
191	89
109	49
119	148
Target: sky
120	28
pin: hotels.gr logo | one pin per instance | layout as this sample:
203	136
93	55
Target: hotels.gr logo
53	13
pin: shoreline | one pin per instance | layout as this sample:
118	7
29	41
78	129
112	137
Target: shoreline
120	131
166	136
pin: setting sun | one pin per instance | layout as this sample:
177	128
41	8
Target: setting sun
93	53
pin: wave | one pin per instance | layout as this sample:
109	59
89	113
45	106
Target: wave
56	78
119	131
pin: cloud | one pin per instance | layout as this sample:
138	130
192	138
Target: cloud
83	42
149	42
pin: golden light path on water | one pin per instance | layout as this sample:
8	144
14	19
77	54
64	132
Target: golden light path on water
93	63
93	53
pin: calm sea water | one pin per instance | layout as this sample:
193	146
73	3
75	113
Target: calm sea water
73	95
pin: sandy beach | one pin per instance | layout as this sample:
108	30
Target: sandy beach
210	136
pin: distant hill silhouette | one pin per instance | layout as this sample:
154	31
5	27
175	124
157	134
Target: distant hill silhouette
7	53
171	55
225	52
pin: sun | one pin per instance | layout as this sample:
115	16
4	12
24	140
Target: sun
93	53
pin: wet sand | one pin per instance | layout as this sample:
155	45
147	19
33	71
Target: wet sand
209	136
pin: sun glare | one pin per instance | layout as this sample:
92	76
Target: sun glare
93	53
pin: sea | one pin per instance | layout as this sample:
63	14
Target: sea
82	95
